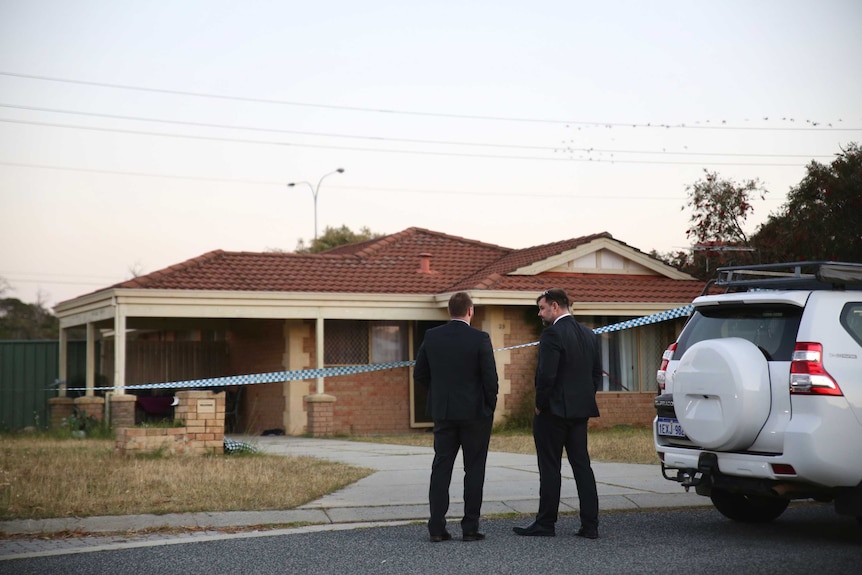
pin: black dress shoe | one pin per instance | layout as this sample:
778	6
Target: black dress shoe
588	533
446	536
473	537
534	530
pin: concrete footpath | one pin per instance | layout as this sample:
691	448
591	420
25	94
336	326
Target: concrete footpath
396	492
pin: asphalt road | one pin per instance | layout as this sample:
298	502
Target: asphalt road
807	539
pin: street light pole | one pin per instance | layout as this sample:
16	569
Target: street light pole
314	191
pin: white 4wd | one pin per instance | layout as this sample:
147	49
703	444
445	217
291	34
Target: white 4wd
762	392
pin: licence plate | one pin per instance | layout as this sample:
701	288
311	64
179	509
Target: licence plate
670	427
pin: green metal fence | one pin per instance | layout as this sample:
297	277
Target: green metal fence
28	373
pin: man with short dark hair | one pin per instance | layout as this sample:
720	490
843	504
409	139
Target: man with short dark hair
456	363
568	375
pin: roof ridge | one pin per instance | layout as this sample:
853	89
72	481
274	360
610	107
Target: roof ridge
142	281
463	239
382	243
385	241
580	240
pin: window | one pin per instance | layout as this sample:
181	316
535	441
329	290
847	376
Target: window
851	319
772	328
358	342
388	341
345	342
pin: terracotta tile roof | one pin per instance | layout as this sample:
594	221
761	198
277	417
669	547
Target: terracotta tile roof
607	287
387	265
391	264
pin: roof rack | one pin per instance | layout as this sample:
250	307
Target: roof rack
817	275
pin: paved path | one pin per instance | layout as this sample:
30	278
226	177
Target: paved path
397	491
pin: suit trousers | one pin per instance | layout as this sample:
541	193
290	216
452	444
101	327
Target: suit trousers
472	436
551	434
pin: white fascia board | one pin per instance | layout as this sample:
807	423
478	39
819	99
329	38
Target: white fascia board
84	317
521	298
502	298
308	305
627	309
251	305
91	308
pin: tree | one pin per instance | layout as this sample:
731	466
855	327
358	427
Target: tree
719	208
19	320
822	218
334	237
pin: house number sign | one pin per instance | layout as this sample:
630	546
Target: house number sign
206	406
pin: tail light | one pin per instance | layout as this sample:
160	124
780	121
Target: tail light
807	375
661	374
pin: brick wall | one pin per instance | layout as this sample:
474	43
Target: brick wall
202	412
257	346
376	402
321	422
122	410
60	408
91	406
522	370
169	440
624	408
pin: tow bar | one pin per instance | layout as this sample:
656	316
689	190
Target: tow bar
707	463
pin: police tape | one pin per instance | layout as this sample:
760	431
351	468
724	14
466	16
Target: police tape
300	374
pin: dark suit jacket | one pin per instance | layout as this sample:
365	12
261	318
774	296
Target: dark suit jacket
456	362
569	371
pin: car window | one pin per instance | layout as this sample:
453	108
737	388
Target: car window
772	328
851	319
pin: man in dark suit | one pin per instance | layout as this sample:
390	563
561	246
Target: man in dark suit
456	363
568	374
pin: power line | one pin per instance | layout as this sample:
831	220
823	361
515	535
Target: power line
4	273
401	140
723	126
341	187
57	282
390	151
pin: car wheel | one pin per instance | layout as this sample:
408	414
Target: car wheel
722	393
748	508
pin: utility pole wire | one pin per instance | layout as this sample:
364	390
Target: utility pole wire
392	151
401	140
420	113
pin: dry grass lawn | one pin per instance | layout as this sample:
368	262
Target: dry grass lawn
43	477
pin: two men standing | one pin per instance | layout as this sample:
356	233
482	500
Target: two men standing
456	363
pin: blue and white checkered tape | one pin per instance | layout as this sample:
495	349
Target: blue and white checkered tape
647	319
300	374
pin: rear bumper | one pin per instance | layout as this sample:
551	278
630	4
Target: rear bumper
816	443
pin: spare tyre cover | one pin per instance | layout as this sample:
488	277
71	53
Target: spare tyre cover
722	394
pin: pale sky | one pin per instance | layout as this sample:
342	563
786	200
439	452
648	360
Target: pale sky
136	135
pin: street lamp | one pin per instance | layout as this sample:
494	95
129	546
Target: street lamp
314	191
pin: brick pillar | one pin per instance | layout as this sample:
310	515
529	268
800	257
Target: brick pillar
59	409
92	406
122	411
203	414
321	422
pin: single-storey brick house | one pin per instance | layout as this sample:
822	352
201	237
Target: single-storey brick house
229	313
